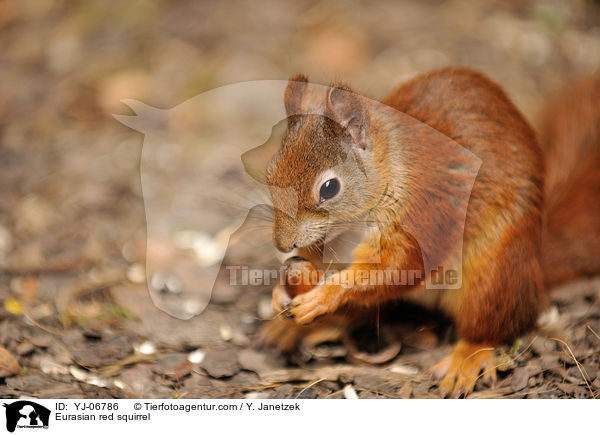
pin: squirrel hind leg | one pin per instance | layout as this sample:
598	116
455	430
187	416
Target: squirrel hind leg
460	370
281	333
286	335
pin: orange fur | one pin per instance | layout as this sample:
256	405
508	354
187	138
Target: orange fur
570	136
502	289
504	262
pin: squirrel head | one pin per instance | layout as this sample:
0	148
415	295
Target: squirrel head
324	176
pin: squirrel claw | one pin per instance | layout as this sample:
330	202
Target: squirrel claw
461	370
280	301
308	306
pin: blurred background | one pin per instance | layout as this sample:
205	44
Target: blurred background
72	223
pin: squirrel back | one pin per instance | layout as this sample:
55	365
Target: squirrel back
502	276
570	137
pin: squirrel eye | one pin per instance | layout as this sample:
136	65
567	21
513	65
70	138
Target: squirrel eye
329	189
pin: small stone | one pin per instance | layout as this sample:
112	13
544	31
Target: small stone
51	367
78	373
350	392
86	377
192	307
94	380
244	380
226	332
136	273
101	353
145	348
520	378
136	379
175	365
221	363
197	356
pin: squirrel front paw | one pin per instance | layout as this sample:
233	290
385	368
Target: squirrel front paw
323	299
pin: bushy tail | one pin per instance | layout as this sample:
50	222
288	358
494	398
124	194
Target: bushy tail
570	135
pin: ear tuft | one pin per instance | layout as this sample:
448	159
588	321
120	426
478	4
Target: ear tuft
294	93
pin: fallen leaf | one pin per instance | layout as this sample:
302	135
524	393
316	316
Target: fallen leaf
8	363
13	306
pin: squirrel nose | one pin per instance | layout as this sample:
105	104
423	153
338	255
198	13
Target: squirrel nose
285	244
282	244
285	234
285	249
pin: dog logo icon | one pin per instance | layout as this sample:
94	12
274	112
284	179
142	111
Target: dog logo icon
26	414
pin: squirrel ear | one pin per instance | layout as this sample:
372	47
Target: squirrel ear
345	108
293	94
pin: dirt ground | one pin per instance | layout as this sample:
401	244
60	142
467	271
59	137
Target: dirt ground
77	319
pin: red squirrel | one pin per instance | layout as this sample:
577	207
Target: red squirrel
533	216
